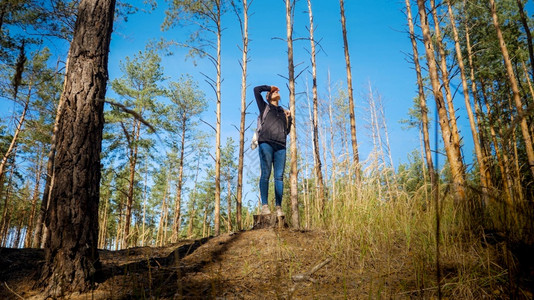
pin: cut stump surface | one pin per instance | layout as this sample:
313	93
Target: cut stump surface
269	221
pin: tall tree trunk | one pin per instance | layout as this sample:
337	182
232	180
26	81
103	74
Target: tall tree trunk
178	200
217	211
478	111
451	148
474	131
134	150
160	237
515	89
243	63
6	216
332	146
293	176
35	197
524	22
71	256
422	102
229	201
317	155
445	75
500	160
355	155
17	80
205	221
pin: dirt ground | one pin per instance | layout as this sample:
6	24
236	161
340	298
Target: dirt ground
264	263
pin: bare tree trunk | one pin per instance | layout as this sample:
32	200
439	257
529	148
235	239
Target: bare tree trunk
451	148
355	155
17	78
513	83
445	75
6	216
478	112
243	62
500	160
422	99
35	197
217	211
293	176
524	22
178	200
205	221
318	169
332	146
134	150
103	225
474	131
71	256
229	200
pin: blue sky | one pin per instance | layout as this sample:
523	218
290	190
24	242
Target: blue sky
377	41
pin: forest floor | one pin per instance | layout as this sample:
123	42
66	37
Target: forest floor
254	264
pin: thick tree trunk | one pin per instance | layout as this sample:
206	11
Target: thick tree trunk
451	148
71	257
515	89
244	62
317	155
41	229
474	131
293	176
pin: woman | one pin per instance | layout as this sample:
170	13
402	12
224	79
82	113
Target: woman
272	144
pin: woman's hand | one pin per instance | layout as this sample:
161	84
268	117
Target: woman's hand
288	113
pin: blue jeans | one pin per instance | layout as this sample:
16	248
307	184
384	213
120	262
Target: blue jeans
272	156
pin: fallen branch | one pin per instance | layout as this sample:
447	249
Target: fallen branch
307	276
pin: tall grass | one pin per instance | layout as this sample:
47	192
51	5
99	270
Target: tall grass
389	234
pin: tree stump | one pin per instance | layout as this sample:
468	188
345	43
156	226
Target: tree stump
269	221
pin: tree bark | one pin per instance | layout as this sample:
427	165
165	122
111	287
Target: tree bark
422	99
445	76
355	154
478	111
244	62
472	123
178	199
451	148
35	197
71	257
217	212
317	155
134	151
515	89
524	22
41	229
293	176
